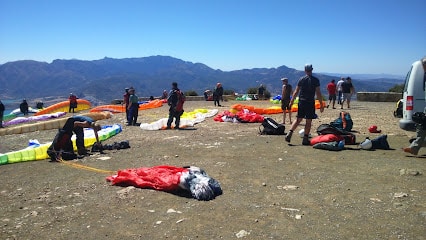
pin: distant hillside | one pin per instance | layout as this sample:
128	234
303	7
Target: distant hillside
102	80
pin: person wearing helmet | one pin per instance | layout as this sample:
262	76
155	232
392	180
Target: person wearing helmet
420	128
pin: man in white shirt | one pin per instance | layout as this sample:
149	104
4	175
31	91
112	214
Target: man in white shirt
339	90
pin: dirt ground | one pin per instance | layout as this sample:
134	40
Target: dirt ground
270	190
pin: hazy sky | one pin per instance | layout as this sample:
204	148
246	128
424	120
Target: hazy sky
343	36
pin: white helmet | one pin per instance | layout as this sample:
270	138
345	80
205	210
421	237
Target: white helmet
302	133
366	144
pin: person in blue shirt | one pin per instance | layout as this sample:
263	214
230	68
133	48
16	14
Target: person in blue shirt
133	108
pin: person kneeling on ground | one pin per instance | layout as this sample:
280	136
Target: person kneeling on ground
62	143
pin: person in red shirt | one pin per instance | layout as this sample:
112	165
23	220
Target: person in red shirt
331	88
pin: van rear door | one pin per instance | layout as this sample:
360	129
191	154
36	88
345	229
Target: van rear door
414	95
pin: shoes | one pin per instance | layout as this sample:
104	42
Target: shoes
334	108
168	127
219	105
328	106
288	136
306	141
341	107
409	150
82	152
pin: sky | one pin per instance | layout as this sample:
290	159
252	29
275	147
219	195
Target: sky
335	36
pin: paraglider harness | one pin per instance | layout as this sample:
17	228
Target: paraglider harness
61	147
270	127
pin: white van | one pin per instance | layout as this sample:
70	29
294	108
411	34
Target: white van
413	95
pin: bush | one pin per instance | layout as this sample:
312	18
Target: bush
191	93
228	92
252	90
398	88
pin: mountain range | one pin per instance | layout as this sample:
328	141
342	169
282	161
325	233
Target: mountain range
103	80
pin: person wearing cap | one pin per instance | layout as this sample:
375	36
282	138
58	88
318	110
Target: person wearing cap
307	87
420	128
133	108
348	90
126	97
331	88
286	92
73	102
74	124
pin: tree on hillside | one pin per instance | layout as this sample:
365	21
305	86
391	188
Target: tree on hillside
398	88
253	90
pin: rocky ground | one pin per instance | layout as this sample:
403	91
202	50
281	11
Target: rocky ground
271	190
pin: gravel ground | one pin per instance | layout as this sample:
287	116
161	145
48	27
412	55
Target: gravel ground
270	190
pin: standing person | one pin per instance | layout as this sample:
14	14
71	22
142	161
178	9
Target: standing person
126	97
133	108
420	128
24	107
62	142
261	92
73	102
339	90
308	86
348	90
175	101
2	108
217	94
286	93
331	88
165	94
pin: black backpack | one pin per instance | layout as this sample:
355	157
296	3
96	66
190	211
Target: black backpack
270	127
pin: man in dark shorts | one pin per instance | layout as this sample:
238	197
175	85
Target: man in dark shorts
286	92
308	86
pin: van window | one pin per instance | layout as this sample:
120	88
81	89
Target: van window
407	79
